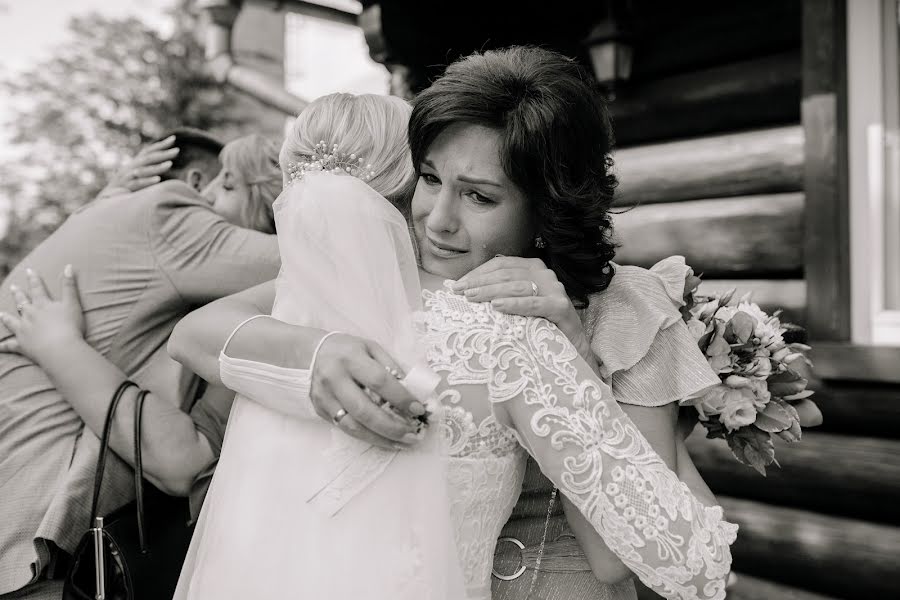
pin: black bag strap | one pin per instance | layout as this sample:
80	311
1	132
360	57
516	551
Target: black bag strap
104	448
139	469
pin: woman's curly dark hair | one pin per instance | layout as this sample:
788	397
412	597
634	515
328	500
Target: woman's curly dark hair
556	139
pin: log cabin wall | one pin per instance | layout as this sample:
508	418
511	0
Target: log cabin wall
711	147
731	153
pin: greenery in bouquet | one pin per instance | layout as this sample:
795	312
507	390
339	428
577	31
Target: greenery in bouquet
762	393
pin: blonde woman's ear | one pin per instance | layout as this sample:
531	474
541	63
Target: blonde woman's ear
196	179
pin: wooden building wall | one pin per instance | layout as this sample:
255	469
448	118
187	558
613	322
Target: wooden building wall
732	140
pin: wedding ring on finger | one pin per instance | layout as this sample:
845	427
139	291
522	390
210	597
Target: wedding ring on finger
534	289
336	419
374	397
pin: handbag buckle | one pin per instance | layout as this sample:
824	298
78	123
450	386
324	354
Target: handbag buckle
518	572
99	565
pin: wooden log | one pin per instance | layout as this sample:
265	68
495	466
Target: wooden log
858	362
675	37
788	295
747	587
756	162
746	95
868	409
851	476
846	558
756	236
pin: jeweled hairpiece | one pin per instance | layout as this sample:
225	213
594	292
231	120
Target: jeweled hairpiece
331	160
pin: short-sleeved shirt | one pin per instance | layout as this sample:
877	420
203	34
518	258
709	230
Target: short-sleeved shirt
142	261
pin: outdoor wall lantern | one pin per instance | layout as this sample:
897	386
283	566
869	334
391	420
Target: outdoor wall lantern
611	53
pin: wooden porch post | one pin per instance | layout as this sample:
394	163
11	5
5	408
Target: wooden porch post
824	119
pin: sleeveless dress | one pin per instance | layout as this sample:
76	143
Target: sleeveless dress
512	387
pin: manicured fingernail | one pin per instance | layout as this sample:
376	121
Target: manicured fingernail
410	438
472	292
458	285
417	408
168	163
171	138
498	303
67	271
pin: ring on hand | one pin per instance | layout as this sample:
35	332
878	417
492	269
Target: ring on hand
20	307
336	419
394	372
374	397
534	289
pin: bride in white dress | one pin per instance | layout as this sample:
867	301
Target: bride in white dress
509	386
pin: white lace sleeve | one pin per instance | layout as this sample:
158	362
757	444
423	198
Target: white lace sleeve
568	420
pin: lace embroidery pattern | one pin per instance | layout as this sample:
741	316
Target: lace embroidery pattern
487	463
467	439
608	470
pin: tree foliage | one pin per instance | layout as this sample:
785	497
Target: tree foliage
116	84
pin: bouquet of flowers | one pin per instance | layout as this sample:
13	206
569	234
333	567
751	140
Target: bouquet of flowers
761	394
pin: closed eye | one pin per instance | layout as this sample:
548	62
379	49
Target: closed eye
480	199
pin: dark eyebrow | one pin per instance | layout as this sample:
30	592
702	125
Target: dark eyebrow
480	181
427	163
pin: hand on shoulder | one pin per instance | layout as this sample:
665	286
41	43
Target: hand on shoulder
528	288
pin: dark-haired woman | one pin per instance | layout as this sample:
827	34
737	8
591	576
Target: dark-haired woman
512	152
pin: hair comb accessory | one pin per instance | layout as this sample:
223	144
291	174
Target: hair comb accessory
331	160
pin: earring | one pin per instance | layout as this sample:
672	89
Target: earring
539	242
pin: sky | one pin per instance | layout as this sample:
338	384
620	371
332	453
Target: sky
30	30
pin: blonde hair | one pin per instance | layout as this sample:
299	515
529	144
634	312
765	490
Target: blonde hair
254	160
368	125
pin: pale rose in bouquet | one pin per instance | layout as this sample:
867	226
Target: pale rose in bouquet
762	394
